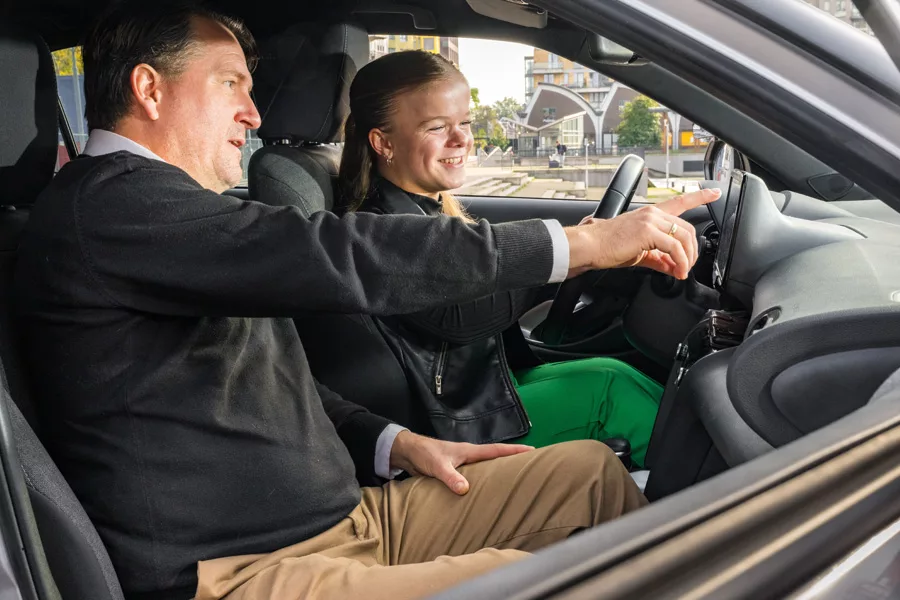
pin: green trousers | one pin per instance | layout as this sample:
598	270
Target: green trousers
592	398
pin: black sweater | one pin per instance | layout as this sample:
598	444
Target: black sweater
177	398
455	323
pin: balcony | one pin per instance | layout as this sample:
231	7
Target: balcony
544	67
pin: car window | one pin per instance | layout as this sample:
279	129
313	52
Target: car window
546	127
70	86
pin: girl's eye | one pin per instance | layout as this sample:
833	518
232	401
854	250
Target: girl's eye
231	84
465	123
438	128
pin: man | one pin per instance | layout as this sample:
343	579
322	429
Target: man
176	394
561	151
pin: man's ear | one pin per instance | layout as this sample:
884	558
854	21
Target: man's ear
381	144
146	86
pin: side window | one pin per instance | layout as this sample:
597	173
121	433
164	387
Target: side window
70	86
528	104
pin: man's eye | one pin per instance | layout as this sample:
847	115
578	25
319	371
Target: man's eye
465	123
231	83
438	128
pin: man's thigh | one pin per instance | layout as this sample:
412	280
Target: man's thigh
523	502
319	577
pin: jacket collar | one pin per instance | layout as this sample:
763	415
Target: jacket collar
393	200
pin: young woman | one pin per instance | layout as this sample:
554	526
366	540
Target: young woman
407	140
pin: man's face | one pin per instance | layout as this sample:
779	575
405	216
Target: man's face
207	110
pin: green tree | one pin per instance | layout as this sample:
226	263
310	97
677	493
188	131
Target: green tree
498	137
474	94
639	126
483	120
62	61
508	107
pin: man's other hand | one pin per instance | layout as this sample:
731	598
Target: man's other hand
420	455
652	236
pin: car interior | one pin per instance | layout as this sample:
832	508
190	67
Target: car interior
786	325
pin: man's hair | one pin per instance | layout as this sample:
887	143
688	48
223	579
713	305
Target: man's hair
160	34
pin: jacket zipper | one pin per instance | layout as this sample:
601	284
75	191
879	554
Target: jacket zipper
505	367
439	372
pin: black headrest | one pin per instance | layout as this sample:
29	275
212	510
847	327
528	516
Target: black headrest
302	83
28	129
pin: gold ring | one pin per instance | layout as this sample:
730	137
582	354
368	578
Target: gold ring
674	229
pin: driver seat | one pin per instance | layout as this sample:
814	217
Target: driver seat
302	91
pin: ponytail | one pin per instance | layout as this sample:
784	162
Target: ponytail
356	170
453	208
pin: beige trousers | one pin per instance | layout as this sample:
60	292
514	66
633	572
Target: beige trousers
410	539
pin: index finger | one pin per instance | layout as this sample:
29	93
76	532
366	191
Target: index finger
685	202
480	452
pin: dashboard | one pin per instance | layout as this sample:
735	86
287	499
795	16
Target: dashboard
811	293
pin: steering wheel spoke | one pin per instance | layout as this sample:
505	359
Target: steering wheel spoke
615	201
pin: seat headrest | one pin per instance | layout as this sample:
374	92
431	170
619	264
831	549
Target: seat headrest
28	129
302	83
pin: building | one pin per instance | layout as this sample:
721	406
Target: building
845	11
556	112
546	67
448	47
377	46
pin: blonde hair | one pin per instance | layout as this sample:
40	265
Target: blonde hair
454	208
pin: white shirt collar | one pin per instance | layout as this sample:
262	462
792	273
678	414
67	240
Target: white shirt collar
102	142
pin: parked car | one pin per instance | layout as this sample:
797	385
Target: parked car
773	466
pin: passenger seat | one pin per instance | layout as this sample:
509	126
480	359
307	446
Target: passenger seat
303	94
57	536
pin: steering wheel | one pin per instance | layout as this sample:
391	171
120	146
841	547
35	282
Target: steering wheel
615	201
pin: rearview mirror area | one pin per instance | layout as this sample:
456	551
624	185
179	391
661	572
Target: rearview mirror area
607	52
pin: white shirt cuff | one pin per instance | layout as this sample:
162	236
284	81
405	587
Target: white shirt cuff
383	451
560	251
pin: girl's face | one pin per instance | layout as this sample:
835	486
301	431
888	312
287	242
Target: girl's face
428	139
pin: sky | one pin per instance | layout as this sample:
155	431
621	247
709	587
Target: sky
497	69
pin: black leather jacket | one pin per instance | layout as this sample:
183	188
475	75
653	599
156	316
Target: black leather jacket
457	358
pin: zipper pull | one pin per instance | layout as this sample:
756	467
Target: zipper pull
437	384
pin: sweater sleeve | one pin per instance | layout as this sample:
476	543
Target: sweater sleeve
471	321
358	429
206	254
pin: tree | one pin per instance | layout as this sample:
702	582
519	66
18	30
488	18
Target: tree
62	61
483	120
508	107
639	126
474	94
498	138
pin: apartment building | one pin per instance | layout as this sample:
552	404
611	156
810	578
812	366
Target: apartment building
448	47
547	67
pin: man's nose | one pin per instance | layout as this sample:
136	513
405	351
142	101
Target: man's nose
249	117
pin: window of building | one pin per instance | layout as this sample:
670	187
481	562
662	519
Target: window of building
429	44
826	5
573	132
548	78
549	113
565	79
402	38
